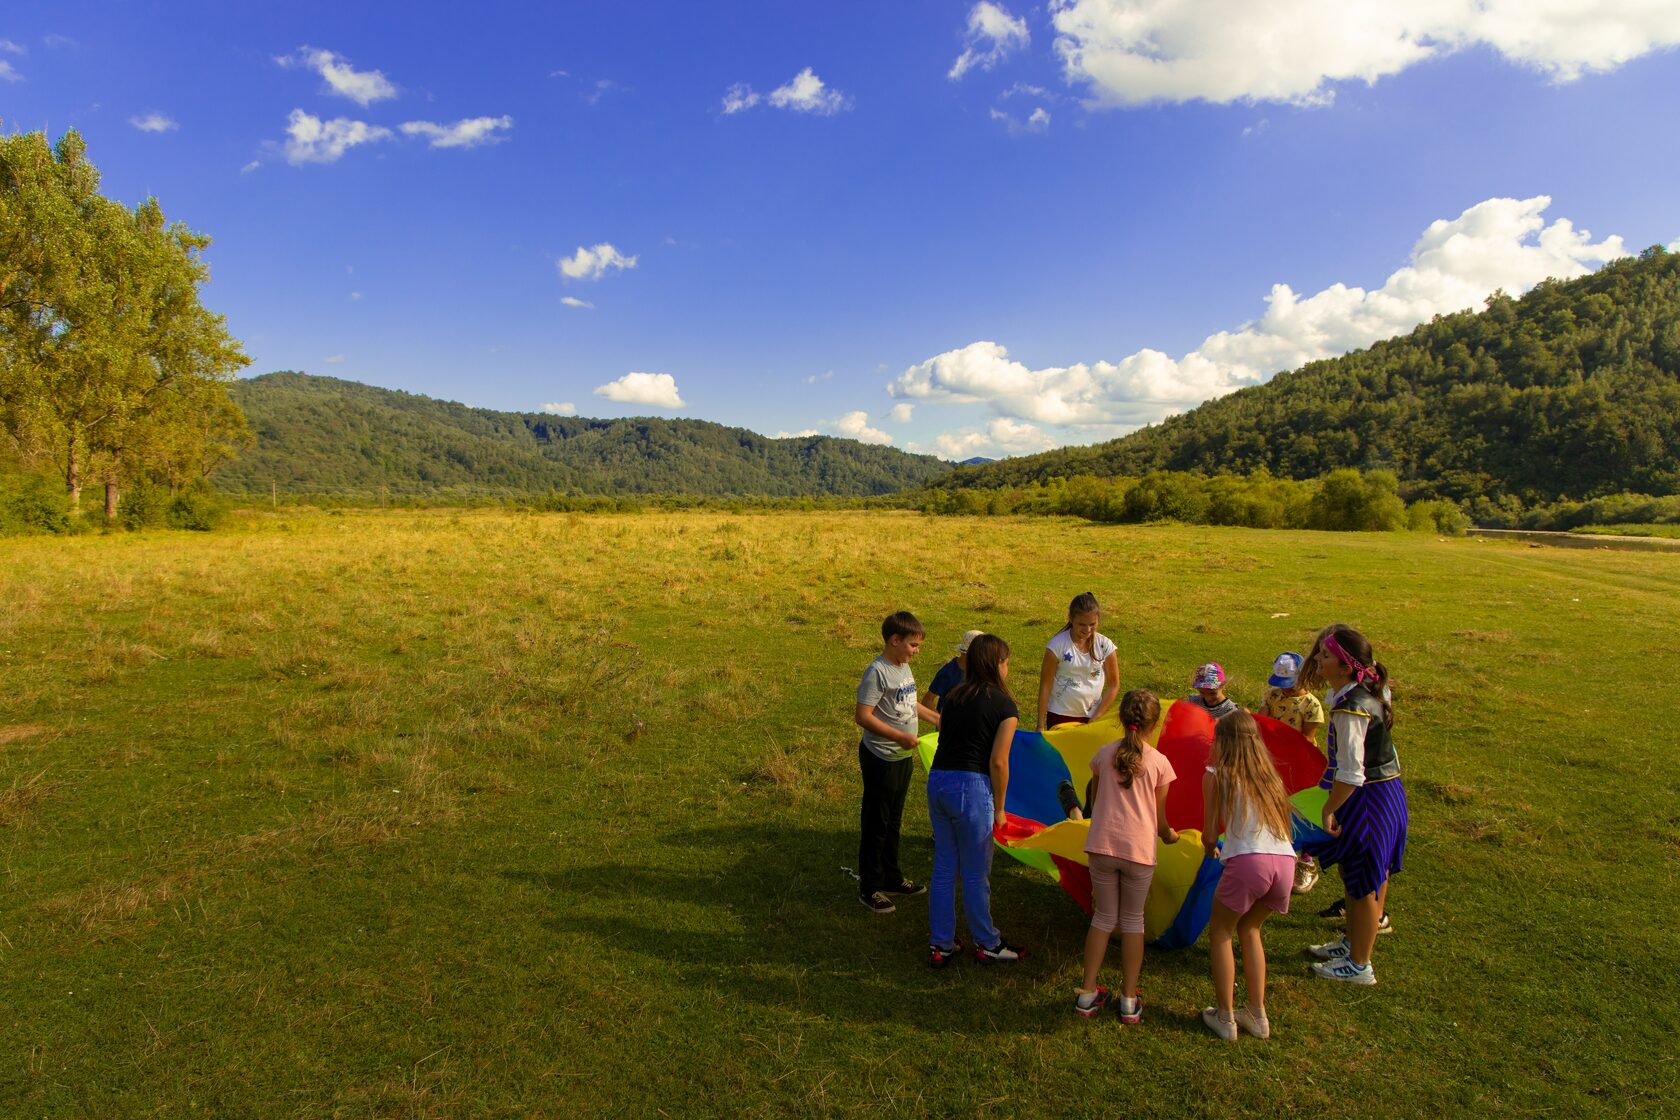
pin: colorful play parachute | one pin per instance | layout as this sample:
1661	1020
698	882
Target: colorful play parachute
1181	895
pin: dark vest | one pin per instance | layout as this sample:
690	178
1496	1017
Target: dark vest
1381	761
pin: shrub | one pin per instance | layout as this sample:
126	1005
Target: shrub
1349	500
143	505
196	508
33	505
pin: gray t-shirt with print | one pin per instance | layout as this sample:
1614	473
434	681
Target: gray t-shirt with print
890	690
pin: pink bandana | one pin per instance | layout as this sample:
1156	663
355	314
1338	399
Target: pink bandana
1361	673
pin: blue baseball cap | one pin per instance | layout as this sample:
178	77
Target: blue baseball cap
1286	670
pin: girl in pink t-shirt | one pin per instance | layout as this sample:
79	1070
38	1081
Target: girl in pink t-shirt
1128	813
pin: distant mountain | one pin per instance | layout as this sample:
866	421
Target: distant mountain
321	435
1571	392
977	461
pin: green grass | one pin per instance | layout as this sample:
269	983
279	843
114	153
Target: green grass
1670	531
485	814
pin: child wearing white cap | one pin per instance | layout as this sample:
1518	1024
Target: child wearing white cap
950	674
1289	701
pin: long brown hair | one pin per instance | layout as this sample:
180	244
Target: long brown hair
985	654
1309	668
1140	711
1242	766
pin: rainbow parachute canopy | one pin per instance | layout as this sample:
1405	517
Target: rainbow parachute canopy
1181	894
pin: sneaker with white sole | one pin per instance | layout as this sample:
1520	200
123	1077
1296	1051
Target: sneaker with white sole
1306	874
1254	1022
877	903
1384	925
1133	1016
1219	1025
1331	950
1346	971
1001	953
906	888
939	958
1089	1005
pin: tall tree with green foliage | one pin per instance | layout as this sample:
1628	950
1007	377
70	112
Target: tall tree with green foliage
110	367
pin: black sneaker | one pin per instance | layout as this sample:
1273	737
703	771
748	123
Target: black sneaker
1068	799
939	958
1001	953
1334	912
877	903
908	887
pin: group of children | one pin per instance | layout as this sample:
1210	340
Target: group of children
1265	855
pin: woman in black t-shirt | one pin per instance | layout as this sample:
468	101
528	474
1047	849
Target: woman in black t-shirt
965	790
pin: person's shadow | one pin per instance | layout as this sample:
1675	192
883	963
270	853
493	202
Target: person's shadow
764	913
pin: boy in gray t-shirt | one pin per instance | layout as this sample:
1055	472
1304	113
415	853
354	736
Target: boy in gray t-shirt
887	711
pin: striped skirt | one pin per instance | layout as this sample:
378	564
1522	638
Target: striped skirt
1373	839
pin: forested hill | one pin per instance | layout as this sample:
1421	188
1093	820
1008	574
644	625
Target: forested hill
1571	392
320	435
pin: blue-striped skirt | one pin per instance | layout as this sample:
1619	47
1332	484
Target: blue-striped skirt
1373	839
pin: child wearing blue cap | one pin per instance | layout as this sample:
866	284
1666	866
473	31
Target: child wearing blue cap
1289	701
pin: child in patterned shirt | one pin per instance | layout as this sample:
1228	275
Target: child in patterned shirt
1289	701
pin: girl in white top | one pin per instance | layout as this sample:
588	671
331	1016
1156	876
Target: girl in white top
1242	789
1080	676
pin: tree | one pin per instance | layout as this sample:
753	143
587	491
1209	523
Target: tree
109	365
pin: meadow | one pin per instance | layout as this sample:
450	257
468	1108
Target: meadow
435	814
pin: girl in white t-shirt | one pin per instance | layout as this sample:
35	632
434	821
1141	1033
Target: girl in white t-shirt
1080	676
1242	789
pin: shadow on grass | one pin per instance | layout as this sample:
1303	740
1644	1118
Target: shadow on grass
762	914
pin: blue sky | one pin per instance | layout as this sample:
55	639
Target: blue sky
960	228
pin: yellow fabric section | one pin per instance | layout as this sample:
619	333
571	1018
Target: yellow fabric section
1176	867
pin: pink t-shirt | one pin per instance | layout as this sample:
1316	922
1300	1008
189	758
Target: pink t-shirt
1124	825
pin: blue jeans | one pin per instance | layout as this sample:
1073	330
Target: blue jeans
960	810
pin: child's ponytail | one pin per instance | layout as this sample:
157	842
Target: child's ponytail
1366	670
1140	711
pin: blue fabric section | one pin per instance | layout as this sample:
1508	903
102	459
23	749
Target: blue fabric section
960	811
1035	770
1193	916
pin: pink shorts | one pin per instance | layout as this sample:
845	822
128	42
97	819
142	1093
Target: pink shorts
1256	878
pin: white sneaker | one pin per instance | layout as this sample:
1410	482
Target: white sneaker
1255	1024
1219	1025
1331	950
1346	971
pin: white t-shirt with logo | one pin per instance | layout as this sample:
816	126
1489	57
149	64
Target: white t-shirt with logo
1079	675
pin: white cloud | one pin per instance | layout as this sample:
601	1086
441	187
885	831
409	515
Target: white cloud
855	425
573	301
593	263
1037	121
1501	243
1002	436
364	87
469	133
992	34
900	412
250	167
333	359
309	139
657	389
10	47
355	297
1293	51
738	98
7	73
815	378
806	93
560	408
801	434
153	122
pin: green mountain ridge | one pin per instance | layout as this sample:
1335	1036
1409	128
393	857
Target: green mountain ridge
326	436
1569	393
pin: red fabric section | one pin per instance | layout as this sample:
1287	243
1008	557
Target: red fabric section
1187	739
1019	828
1076	881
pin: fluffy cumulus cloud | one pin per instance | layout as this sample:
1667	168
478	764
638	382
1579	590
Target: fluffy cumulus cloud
1002	436
1133	51
855	425
560	408
469	133
153	122
656	389
900	412
802	93
364	87
992	34
1501	243
592	263
309	139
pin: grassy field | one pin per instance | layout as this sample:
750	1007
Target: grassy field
437	814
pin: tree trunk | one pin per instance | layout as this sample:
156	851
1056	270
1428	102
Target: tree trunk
110	499
73	479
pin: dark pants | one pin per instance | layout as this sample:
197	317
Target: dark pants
884	787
